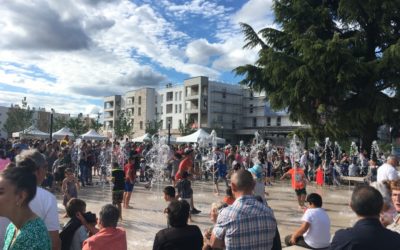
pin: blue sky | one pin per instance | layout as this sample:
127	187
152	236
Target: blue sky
67	55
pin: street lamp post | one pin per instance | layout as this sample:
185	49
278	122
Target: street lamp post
51	124
169	133
222	131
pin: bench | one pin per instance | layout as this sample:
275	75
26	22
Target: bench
353	179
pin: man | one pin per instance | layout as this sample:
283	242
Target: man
186	165
388	172
247	223
298	183
314	232
109	236
180	235
44	204
130	177
368	233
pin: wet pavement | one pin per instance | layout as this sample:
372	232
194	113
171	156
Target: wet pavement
146	218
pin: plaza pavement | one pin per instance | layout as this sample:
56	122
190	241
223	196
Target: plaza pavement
146	218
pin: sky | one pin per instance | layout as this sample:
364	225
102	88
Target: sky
69	54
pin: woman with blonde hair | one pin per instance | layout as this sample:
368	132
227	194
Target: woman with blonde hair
395	196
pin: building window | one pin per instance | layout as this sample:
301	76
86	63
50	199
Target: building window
141	125
268	121
176	108
278	121
254	122
161	98
140	100
180	95
180	122
224	93
170	96
180	108
220	118
176	96
251	108
169	109
139	111
233	124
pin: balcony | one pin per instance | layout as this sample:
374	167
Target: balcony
108	106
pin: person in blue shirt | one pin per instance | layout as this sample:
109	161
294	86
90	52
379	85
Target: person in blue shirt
220	172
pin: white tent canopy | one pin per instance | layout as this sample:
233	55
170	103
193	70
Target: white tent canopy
60	134
200	134
93	135
31	132
145	137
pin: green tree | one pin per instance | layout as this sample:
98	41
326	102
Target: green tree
334	64
59	122
186	129
94	124
152	127
123	125
77	125
18	118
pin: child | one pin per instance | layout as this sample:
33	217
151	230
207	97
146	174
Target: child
75	232
169	195
70	186
319	176
298	183
220	174
118	179
185	191
229	199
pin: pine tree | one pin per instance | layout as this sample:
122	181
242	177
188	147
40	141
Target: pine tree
334	65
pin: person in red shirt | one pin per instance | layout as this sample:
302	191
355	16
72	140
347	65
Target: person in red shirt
298	183
109	236
186	165
130	177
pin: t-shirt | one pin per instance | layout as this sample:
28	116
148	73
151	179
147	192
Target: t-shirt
387	172
119	179
80	236
318	235
179	238
183	167
257	170
44	205
297	178
130	172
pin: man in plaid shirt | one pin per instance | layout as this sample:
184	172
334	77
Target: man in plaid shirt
247	223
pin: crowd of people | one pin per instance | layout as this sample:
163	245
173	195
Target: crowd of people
32	171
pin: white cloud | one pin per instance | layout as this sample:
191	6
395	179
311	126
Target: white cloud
257	13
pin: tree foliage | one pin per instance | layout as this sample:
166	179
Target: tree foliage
334	64
18	118
186	129
152	127
60	122
76	125
123	125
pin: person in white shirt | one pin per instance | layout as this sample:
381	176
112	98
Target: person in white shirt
388	172
44	204
314	232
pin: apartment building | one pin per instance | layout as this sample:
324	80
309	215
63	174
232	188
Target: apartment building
234	111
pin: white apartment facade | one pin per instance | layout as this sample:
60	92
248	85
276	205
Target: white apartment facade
234	111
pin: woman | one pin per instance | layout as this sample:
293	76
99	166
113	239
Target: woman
26	230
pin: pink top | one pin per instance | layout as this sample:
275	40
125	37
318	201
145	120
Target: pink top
106	239
3	163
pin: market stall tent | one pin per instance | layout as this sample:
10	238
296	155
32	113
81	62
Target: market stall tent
93	135
31	133
60	134
200	134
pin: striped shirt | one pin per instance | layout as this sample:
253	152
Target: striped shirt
246	224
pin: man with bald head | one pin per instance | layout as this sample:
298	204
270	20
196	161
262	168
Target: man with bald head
247	223
388	172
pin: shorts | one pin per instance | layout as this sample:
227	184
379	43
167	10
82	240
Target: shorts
117	197
128	186
300	191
